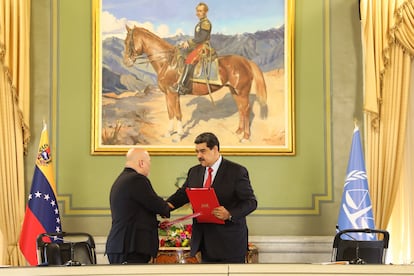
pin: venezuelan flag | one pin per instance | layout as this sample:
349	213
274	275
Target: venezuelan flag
42	212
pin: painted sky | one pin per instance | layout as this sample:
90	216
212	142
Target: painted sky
170	17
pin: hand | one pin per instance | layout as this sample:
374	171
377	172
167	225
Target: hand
221	213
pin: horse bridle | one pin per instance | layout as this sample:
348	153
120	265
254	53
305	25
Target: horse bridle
132	55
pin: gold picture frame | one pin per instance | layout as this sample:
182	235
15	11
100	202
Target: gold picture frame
130	110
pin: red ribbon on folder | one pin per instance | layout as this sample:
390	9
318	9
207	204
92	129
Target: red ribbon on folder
166	224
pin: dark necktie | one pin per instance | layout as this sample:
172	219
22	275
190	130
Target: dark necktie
209	178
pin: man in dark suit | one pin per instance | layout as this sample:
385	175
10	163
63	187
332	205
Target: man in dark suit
219	243
134	207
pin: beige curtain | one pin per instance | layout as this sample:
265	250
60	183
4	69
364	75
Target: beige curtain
14	122
388	36
401	224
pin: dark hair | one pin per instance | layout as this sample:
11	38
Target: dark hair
209	138
204	5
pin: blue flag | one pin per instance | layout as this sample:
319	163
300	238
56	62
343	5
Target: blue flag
356	208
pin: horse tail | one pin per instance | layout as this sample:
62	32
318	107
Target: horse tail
261	91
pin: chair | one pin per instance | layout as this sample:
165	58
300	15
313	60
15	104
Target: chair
347	246
65	249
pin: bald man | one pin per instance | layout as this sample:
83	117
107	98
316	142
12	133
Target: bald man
134	207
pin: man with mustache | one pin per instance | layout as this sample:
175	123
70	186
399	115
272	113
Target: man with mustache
219	243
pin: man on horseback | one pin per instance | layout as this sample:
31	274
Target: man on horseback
194	48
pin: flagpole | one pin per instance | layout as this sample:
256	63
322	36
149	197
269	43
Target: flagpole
356	124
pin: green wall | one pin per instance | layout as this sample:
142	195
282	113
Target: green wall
298	195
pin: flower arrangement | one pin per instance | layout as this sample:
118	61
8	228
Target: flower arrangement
176	236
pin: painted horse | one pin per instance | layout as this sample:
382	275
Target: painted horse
236	72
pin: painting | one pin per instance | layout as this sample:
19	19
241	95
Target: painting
241	88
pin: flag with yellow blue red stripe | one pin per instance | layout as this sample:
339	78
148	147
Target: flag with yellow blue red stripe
42	211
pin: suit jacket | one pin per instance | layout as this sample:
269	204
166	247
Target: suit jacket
134	209
235	193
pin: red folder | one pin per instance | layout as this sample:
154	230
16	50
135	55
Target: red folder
203	201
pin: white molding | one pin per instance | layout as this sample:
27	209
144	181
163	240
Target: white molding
272	249
293	249
213	270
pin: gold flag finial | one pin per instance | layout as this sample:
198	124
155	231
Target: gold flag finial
355	122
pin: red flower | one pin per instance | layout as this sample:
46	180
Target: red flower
176	236
189	228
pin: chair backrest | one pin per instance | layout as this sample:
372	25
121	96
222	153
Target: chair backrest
347	247
66	249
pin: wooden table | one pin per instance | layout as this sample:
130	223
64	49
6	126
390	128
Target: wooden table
252	256
175	255
181	255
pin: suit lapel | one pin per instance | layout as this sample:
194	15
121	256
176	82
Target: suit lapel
200	177
220	172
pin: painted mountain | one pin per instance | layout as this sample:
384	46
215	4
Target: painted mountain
265	48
